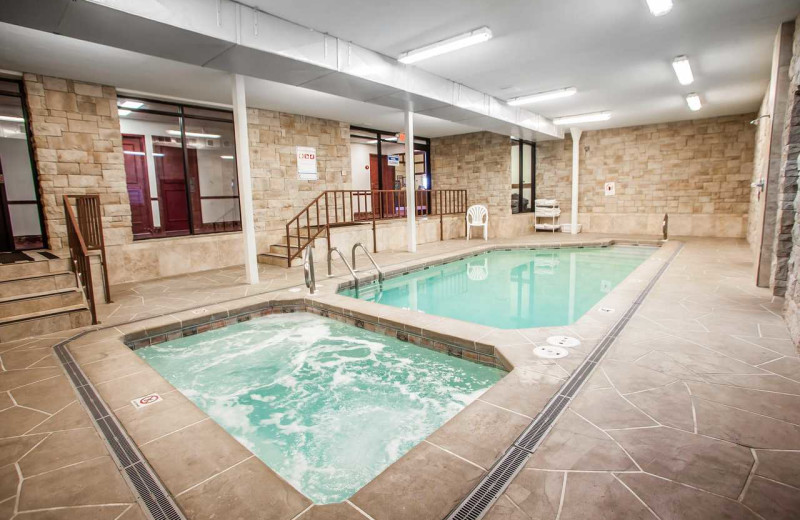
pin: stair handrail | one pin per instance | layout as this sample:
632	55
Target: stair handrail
308	269
296	221
79	255
374	263
330	264
90	227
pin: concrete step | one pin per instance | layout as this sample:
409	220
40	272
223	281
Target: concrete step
277	259
39	267
34	284
44	322
30	303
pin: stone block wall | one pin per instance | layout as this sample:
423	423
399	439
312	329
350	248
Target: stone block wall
479	162
788	246
698	172
78	151
278	195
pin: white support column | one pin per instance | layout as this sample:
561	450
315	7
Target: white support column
245	183
576	167
411	204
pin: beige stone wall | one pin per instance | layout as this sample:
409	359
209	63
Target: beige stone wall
278	195
479	162
698	172
78	150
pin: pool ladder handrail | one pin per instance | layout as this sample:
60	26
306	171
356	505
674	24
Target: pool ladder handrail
308	269
330	264
381	275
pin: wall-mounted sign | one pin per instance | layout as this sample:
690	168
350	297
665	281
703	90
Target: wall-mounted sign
393	160
610	189
306	163
401	138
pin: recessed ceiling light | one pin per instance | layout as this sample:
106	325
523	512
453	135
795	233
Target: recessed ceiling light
193	134
693	100
130	104
449	45
583	118
659	7
683	70
123	113
13	119
542	96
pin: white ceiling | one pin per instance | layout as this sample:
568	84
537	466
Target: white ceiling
614	51
28	50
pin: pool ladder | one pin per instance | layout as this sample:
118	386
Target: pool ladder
350	267
308	269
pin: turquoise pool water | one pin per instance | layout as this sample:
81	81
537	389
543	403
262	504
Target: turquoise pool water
512	289
326	405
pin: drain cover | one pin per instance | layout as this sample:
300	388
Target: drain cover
563	341
550	352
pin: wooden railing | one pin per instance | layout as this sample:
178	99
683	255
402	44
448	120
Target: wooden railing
334	208
85	234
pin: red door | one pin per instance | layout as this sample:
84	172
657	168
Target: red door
172	185
385	203
138	184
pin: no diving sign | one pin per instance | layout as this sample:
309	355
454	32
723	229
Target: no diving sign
146	400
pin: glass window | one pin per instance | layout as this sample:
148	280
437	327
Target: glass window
211	164
20	218
177	187
522	176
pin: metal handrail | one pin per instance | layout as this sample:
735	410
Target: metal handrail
308	269
79	255
374	263
330	265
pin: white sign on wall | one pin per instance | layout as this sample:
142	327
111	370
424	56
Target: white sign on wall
306	163
393	160
610	189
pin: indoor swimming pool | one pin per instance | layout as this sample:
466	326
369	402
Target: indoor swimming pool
511	289
325	404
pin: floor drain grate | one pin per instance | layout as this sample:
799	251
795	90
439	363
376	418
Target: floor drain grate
488	490
140	476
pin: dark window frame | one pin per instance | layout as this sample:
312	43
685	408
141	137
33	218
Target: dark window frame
378	135
520	189
22	95
181	114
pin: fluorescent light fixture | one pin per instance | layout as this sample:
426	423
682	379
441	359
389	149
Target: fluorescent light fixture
583	118
683	70
659	7
227	157
158	155
193	134
123	113
130	104
693	100
449	45
13	119
543	96
129	152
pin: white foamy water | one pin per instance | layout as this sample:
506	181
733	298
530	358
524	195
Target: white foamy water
326	405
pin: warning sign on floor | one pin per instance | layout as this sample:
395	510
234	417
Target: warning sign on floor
146	400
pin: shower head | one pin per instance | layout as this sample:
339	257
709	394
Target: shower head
758	119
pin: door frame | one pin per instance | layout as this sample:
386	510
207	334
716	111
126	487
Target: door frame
21	94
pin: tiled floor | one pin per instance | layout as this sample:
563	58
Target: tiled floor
53	464
695	412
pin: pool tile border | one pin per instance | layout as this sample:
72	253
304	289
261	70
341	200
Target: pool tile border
477	352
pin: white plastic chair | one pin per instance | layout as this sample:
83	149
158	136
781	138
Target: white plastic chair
478	216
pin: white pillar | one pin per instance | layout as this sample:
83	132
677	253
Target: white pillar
245	183
411	204
576	167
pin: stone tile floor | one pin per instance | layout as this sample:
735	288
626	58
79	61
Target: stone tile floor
695	412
